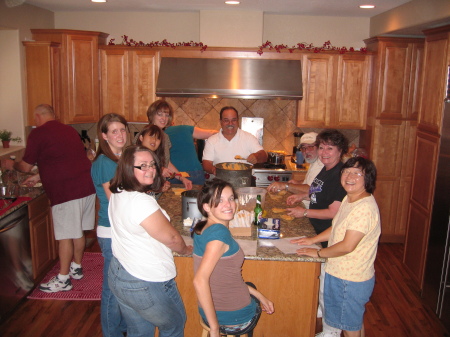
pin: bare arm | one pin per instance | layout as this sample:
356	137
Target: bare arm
21	166
351	240
323	214
159	228
208	166
214	251
322	237
266	304
257	157
186	182
203	133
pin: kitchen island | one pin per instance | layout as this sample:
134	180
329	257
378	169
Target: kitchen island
290	281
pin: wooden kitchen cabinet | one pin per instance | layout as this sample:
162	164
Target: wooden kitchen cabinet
335	91
74	90
43	81
391	127
427	142
128	81
43	243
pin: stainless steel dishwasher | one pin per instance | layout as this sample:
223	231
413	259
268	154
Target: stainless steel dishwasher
15	260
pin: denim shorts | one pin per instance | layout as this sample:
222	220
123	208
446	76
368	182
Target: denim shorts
345	302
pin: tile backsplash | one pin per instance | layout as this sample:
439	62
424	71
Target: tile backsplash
279	119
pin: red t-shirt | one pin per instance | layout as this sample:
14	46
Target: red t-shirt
64	168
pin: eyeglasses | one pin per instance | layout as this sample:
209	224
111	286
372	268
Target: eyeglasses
163	114
307	148
348	172
146	167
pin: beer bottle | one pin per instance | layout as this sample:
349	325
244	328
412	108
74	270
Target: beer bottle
258	210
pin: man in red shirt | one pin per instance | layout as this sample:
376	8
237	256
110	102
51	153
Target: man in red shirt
65	172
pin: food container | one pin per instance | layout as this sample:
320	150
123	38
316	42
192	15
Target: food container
247	197
241	225
237	174
189	205
269	228
276	157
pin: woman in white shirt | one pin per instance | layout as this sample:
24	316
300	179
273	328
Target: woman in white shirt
142	271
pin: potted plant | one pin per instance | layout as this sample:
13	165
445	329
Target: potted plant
5	137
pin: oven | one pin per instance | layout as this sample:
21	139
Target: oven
267	173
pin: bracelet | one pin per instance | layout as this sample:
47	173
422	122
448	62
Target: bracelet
287	187
305	213
318	253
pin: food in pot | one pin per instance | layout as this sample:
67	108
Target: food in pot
234	166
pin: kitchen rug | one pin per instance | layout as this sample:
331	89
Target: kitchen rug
89	288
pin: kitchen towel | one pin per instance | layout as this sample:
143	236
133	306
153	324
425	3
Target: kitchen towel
89	288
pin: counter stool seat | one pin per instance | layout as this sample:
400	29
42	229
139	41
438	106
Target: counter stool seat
205	332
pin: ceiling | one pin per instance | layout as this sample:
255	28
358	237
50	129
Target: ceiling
346	8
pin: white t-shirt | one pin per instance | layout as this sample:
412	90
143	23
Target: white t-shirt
313	171
141	255
218	149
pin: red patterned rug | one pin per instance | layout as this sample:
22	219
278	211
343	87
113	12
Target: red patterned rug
89	288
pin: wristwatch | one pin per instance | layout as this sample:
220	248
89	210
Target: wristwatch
305	213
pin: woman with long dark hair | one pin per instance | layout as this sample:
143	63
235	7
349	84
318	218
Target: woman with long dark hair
227	303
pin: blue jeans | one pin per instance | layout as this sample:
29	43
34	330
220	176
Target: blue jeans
197	178
146	305
113	322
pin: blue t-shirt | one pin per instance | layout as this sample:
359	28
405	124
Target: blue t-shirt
233	281
182	153
102	171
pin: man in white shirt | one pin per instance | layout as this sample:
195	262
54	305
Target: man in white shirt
310	152
230	142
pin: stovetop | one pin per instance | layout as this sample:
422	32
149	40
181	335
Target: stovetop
270	166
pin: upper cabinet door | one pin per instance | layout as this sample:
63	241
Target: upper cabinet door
128	81
79	75
318	87
352	91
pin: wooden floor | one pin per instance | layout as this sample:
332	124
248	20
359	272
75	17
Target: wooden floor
395	309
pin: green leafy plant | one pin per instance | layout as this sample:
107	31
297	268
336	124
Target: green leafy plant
6	135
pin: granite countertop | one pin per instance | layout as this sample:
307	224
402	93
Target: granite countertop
294	228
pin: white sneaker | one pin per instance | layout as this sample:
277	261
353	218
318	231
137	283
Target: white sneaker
55	285
76	273
327	334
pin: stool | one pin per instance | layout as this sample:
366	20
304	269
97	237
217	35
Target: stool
205	332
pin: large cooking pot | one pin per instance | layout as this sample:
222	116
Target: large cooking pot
276	157
189	205
237	174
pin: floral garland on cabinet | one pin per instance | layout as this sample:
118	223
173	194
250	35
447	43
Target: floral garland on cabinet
327	46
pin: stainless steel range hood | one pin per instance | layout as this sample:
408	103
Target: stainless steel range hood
230	78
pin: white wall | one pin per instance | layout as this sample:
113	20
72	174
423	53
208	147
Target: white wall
140	26
186	26
293	29
11	107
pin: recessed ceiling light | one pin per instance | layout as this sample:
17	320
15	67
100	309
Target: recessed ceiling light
367	6
232	2
98	0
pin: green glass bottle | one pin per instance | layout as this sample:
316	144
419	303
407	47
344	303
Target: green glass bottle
258	210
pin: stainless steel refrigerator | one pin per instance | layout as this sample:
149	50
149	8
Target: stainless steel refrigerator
436	289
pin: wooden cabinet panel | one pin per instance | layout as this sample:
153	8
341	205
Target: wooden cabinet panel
424	170
318	89
43	244
75	77
128	81
387	196
144	74
114	81
416	81
433	93
82	87
416	242
352	91
388	149
43	67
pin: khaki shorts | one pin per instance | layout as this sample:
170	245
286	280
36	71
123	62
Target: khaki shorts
73	217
